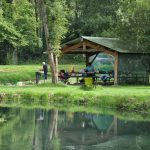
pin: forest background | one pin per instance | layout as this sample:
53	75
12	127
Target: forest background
22	33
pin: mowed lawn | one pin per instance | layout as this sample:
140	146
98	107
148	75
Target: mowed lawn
15	73
105	94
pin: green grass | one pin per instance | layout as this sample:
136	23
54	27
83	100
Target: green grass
126	98
13	73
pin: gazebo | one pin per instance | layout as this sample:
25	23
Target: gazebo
130	65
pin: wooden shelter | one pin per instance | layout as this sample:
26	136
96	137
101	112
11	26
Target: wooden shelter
126	57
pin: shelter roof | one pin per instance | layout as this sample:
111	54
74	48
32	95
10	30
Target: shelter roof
112	44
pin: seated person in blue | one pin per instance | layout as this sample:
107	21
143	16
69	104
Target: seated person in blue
105	78
90	71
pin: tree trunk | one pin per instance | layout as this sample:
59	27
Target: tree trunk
56	64
15	57
48	45
52	66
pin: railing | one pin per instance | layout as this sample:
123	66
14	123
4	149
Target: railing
132	78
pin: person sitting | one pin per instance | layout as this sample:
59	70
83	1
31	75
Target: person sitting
111	73
73	71
105	79
63	76
90	71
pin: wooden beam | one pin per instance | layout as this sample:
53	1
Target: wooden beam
67	49
94	58
84	46
87	59
90	44
116	69
100	48
105	50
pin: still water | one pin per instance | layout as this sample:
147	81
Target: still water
37	129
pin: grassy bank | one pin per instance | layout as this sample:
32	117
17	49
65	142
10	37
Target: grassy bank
122	115
126	98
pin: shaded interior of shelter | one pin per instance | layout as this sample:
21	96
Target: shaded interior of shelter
131	64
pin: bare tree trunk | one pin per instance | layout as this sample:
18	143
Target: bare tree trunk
52	66
15	57
48	45
56	64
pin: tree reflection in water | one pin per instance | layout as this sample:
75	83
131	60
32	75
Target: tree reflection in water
52	130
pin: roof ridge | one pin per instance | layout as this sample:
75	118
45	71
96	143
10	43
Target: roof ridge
97	37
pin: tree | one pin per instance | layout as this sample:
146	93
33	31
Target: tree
19	16
133	23
133	27
55	26
8	37
24	20
92	17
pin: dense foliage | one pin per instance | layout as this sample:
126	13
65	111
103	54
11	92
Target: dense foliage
18	29
92	17
22	36
133	23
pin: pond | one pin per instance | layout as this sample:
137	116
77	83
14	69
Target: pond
39	129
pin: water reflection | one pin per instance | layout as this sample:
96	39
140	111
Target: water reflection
52	130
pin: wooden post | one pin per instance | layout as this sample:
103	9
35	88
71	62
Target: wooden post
116	69
84	46
87	59
94	57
